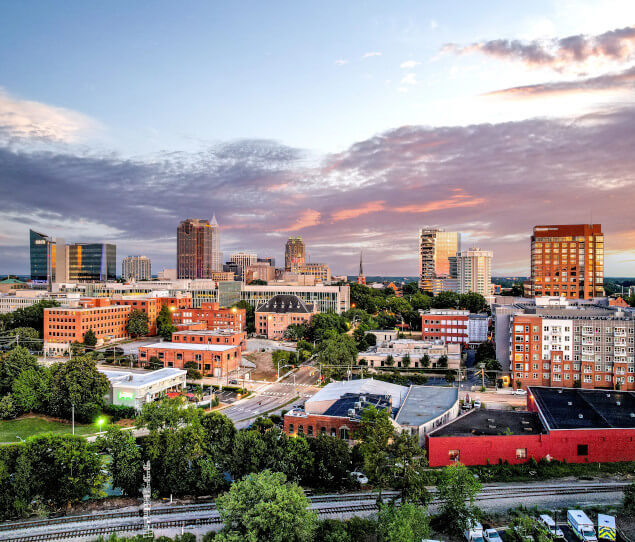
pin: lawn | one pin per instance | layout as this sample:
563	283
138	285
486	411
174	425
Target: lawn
28	426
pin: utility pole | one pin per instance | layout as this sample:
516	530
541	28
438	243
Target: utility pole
73	416
482	366
147	493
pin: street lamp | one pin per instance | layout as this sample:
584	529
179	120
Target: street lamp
100	422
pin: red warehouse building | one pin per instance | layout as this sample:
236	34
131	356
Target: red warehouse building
573	425
211	359
213	315
218	336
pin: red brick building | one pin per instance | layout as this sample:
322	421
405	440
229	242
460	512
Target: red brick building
219	336
298	422
573	425
449	325
211	359
276	315
213	315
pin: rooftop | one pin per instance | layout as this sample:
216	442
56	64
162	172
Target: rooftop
492	422
285	303
363	386
351	401
425	403
211	332
190	346
140	380
571	408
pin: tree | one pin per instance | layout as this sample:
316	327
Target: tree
137	324
90	339
390	360
486	350
492	367
517	290
295	332
219	440
165	328
405	361
473	302
126	465
375	432
167	413
77	382
30	389
27	334
32	316
628	503
425	361
340	351
258	282
250	315
265	508
457	488
409	469
445	300
442	361
8	408
331	462
192	370
12	364
450	376
405	523
331	530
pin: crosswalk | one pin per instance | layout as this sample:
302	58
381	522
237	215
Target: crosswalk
282	394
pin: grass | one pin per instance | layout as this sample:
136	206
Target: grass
28	426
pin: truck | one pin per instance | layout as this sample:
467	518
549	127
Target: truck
606	527
581	525
474	531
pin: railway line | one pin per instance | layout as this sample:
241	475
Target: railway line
200	514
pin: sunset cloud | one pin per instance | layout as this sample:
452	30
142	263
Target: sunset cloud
308	218
346	214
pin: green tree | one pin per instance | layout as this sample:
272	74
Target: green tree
473	302
331	462
457	489
137	324
486	350
165	328
628	503
12	364
405	360
250	315
445	300
27	334
425	361
126	465
77	382
421	301
265	508
220	433
339	351
442	361
405	523
193	372
374	433
167	413
249	454
450	376
30	389
32	316
8	407
90	339
295	332
409	473
331	530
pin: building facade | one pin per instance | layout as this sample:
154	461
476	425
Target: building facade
274	316
136	267
214	317
568	261
194	249
398	349
436	248
474	271
42	249
260	271
325	298
294	253
217	360
91	262
134	389
243	260
219	336
320	271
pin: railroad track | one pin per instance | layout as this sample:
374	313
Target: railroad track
357	502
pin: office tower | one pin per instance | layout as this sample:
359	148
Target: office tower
436	248
243	260
259	271
136	267
194	249
568	261
92	262
294	253
217	256
268	259
320	271
474	268
42	262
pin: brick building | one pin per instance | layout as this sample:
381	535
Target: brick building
211	359
219	336
577	426
568	261
274	316
64	325
453	326
213	315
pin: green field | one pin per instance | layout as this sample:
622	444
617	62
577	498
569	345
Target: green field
34	425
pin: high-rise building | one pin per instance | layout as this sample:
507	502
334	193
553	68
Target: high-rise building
136	267
217	255
41	248
474	269
294	253
243	260
92	262
436	249
267	259
568	261
194	249
320	271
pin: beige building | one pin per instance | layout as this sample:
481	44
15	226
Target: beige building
437	250
474	271
136	267
399	348
274	316
260	271
294	253
320	271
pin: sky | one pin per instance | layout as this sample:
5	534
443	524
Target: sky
351	124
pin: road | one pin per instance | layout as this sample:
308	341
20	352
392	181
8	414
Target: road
272	397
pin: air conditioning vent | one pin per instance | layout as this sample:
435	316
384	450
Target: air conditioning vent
580	416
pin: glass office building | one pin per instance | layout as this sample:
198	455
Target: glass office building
42	256
92	262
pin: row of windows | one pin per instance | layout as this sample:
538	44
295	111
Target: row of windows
344	433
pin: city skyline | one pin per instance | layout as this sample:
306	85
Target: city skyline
422	116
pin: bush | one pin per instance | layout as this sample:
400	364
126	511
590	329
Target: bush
120	412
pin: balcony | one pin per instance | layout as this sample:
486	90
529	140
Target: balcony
587	342
588	333
619	333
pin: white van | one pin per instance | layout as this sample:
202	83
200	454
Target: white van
581	525
474	532
551	526
606	527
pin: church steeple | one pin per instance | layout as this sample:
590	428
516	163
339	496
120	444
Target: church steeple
361	279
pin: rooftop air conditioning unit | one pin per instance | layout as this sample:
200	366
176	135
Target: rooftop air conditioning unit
362	399
358	404
618	403
570	403
580	416
351	412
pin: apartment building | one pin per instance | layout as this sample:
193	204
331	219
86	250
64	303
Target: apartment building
453	326
213	336
217	360
568	261
213	315
320	271
274	316
474	271
437	256
136	268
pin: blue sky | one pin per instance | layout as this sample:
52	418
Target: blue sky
175	86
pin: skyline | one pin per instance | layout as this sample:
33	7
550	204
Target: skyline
352	132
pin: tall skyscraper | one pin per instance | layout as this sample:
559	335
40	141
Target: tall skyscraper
217	256
243	260
136	267
436	250
194	248
294	253
568	261
41	249
474	268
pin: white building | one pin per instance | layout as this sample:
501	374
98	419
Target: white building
136	267
398	349
477	328
243	260
325	298
474	269
135	389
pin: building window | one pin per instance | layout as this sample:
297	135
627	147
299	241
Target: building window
322	430
454	455
333	432
344	433
300	429
521	453
583	449
309	431
290	428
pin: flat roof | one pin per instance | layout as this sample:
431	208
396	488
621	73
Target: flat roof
576	408
492	422
425	403
363	386
140	380
346	402
191	346
221	332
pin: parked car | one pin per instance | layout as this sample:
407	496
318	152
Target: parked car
551	526
233	381
359	477
520	391
491	535
477	403
474	532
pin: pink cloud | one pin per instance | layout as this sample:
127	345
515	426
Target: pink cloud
346	214
308	218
